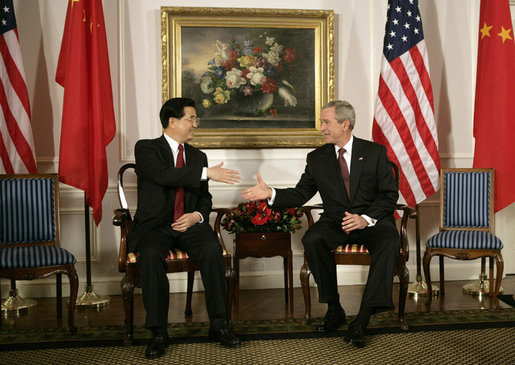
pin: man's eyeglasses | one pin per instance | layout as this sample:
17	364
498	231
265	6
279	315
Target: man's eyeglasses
192	120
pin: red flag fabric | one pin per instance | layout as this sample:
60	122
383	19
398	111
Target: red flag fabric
494	111
88	123
17	153
404	113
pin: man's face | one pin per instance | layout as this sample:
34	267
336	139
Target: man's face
183	129
334	132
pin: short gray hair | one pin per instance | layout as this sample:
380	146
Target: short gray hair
343	110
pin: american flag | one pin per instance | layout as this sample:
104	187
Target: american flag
404	113
16	142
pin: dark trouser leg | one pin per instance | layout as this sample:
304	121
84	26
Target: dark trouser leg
153	250
201	244
383	244
319	240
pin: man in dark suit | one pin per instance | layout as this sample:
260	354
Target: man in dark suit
357	208
173	211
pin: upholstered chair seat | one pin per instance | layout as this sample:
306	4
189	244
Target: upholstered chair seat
465	240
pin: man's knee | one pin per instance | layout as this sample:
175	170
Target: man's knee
312	239
213	247
152	255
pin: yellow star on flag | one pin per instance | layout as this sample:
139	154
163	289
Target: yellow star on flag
505	34
485	31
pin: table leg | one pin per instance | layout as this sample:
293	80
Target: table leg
290	274
236	284
285	271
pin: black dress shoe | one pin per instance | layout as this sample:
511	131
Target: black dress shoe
332	321
224	335
355	336
157	347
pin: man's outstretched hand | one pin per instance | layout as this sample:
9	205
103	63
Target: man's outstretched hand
259	191
218	173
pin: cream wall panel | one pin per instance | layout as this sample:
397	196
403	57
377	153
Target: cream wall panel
133	31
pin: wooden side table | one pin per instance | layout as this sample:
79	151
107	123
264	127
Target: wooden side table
264	244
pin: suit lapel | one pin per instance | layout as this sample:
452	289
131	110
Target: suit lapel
356	166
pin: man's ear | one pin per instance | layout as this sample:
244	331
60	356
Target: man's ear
170	122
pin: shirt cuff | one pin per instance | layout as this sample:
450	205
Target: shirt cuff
371	221
201	217
272	199
203	177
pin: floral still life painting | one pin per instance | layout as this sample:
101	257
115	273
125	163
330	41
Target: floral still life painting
255	71
259	217
251	76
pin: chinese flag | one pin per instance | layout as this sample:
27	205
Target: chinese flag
88	123
494	112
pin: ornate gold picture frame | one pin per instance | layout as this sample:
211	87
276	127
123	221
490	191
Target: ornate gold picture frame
259	76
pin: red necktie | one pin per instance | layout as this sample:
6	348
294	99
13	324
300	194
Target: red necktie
178	209
344	169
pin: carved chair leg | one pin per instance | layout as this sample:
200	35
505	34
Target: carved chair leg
500	267
231	277
403	293
74	288
305	272
127	287
189	293
491	276
427	275
59	295
442	276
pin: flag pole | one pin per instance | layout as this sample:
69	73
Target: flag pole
419	286
89	298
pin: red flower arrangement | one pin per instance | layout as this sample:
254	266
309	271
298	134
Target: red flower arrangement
259	217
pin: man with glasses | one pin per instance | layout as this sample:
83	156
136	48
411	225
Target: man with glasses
173	212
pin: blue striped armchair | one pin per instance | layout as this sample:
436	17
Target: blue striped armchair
466	224
29	235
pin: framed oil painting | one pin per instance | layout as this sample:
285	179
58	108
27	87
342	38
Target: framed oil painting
259	76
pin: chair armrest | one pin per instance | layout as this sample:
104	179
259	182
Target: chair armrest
220	213
407	214
122	218
306	210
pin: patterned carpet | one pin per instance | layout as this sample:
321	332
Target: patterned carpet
487	346
445	337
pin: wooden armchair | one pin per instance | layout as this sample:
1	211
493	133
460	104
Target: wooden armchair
177	260
29	235
357	254
467	226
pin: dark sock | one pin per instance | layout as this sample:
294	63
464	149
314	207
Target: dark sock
159	331
218	322
334	307
363	316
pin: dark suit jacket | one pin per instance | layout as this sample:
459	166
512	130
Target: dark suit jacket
372	184
158	179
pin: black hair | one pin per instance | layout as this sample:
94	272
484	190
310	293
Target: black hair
174	108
